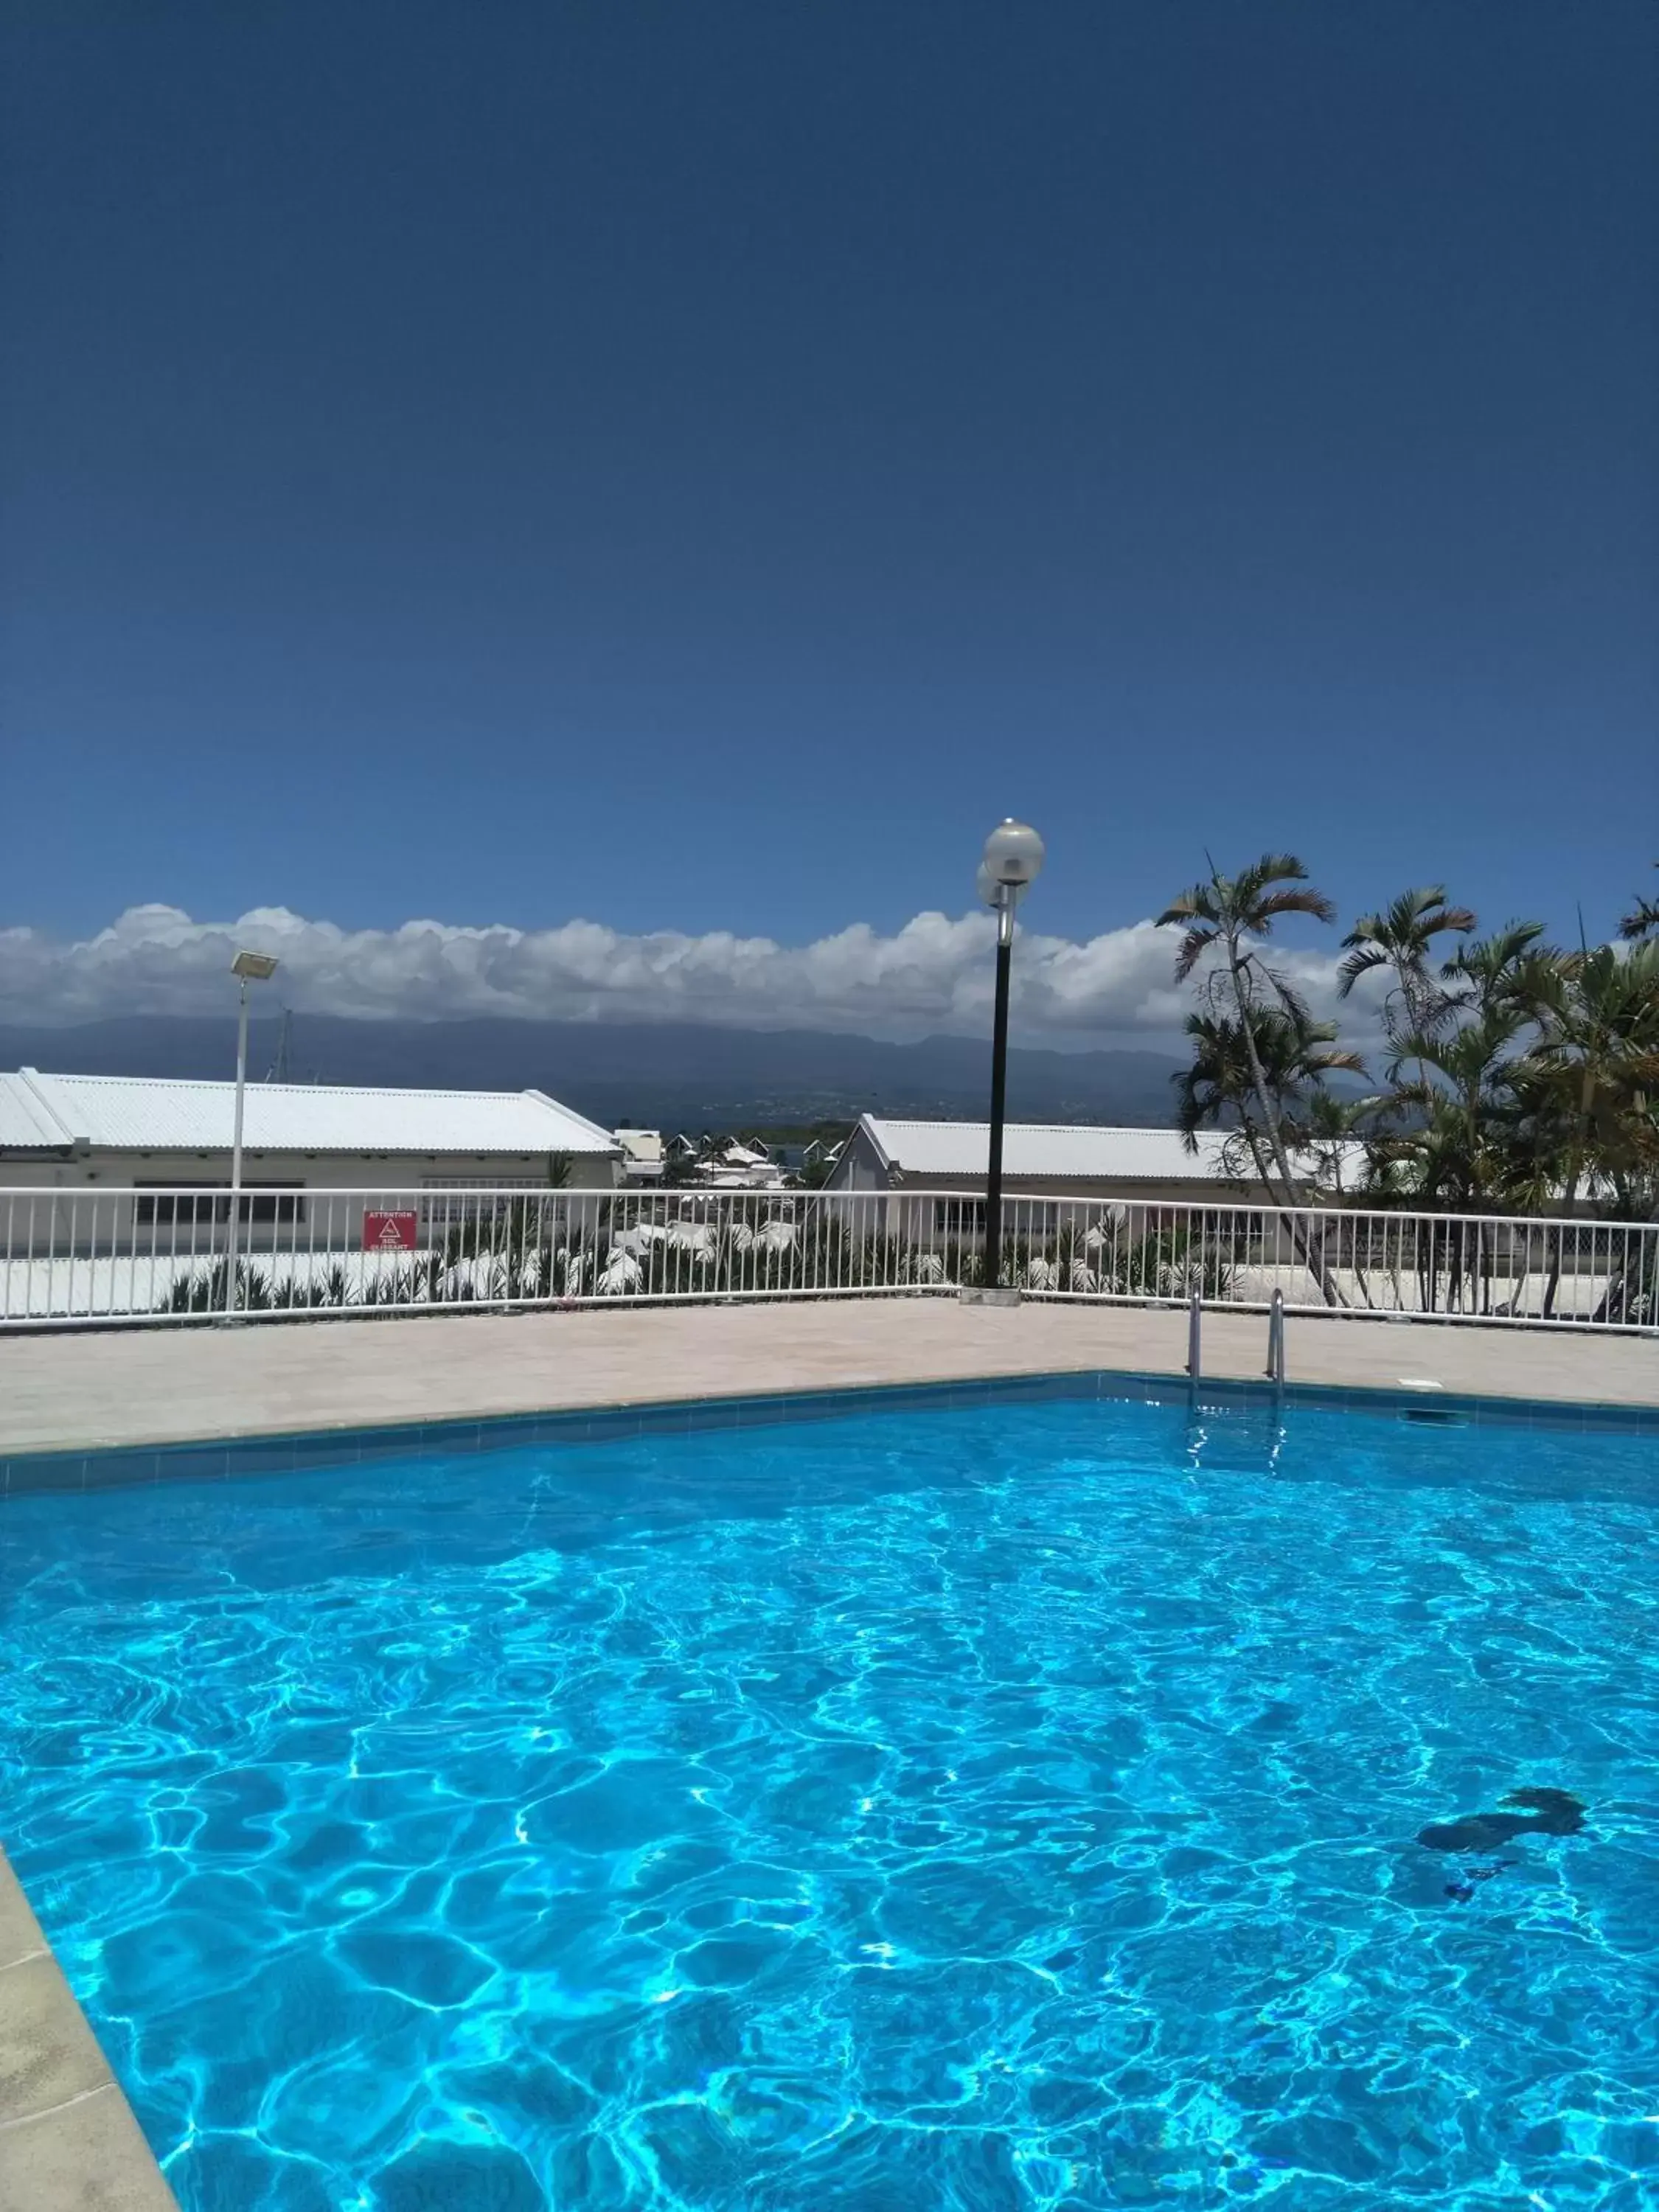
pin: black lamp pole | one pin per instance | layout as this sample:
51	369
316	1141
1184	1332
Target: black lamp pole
998	1090
1013	858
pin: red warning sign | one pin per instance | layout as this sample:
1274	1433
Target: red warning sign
390	1233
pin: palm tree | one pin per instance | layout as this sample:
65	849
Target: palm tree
1643	920
1279	1055
1336	1128
1593	1072
1293	1056
1218	1089
1232	915
1496	970
1588	1088
1457	1153
1401	937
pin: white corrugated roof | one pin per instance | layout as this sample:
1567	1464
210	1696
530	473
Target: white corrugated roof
25	1119
157	1114
920	1149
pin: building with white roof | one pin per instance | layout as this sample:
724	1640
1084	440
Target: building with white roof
116	1131
738	1166
1050	1160
642	1155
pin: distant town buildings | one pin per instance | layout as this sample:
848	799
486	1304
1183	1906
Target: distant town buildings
735	1166
117	1133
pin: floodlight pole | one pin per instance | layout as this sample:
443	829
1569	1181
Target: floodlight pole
236	1155
248	968
1005	911
1012	864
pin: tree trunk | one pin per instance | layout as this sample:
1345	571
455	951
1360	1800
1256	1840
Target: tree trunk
1258	1076
1556	1237
1639	1272
1327	1287
1586	1098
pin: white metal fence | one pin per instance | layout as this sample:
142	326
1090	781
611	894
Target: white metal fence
72	1257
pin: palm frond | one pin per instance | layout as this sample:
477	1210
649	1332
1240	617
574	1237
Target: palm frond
1488	958
1193	946
1365	957
1642	921
1270	868
1195	903
1268	908
1292	1000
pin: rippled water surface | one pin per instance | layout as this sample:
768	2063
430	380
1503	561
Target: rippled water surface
1004	1806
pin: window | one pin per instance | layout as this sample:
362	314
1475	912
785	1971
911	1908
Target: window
1030	1217
283	1207
448	1201
195	1207
199	1205
959	1217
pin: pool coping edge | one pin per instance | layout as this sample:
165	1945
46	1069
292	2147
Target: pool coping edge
68	2135
295	1451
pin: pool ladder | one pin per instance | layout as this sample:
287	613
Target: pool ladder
1275	1339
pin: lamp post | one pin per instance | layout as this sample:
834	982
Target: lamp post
248	968
1013	862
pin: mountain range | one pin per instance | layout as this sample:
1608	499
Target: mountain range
665	1075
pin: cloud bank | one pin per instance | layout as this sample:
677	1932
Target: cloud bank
934	974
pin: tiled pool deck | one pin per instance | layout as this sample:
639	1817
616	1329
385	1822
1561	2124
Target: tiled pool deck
143	1405
74	1394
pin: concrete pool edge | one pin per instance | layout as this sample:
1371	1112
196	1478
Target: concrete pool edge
69	2142
300	1450
69	1395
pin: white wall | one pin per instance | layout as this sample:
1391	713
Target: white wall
91	1204
1168	1191
120	1170
859	1167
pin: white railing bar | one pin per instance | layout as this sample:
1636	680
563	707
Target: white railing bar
491	1245
413	1199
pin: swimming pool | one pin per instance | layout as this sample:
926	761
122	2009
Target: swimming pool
987	1805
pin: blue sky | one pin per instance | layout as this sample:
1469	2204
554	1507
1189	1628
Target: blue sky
695	468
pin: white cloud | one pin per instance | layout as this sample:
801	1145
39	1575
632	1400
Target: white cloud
934	974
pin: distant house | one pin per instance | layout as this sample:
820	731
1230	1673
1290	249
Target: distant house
739	1167
644	1155
1067	1161
144	1134
737	1154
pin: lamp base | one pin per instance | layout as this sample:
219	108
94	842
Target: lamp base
989	1297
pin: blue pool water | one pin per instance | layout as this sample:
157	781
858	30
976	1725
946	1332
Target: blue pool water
1010	1806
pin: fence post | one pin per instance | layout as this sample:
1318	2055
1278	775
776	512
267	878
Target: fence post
1194	1320
1276	1341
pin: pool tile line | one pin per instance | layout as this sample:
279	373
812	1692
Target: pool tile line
213	1459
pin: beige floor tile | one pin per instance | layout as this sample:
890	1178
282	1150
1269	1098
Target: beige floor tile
47	2053
86	2157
